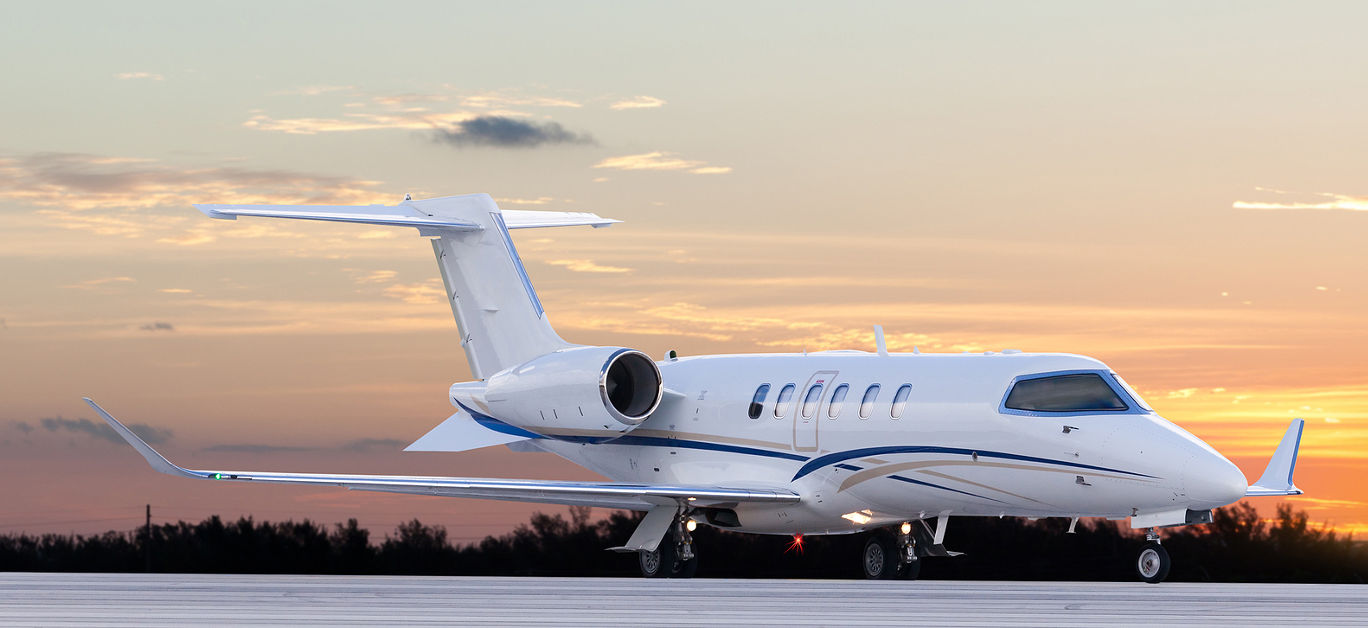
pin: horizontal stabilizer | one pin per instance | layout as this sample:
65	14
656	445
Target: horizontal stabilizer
520	219
394	216
1277	478
460	432
625	495
404	214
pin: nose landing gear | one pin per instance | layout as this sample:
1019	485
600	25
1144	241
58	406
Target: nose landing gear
1153	563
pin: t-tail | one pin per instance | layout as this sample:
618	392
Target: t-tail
532	384
501	320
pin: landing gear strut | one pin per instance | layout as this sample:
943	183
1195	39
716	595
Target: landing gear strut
675	556
887	556
1153	563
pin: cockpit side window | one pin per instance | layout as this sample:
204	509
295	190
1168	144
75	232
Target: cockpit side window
1075	392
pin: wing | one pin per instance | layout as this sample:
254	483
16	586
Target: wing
600	494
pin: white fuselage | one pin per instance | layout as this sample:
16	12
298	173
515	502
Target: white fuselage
953	448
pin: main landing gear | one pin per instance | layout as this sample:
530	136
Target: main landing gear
887	556
1153	563
675	556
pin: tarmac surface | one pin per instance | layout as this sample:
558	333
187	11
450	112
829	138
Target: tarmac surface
34	599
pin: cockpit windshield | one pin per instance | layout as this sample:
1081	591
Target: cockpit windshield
1075	392
1133	395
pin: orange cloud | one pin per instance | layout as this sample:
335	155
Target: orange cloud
413	120
639	102
81	182
1332	201
507	98
148	76
587	266
660	160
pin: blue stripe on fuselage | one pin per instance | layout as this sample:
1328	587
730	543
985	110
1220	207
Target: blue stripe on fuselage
812	464
655	441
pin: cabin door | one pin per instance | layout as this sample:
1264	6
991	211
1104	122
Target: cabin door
807	416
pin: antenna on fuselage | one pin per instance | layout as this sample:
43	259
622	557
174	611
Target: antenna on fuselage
879	340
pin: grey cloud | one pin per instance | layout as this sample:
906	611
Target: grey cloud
154	435
23	426
158	326
501	132
83	181
367	444
253	448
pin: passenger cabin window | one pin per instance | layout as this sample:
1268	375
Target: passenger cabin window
811	400
758	401
837	400
781	406
900	400
867	404
1080	392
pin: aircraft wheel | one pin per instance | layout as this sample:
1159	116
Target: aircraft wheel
879	560
652	561
664	562
1153	563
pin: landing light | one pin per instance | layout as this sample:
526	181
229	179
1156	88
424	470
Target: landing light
859	517
906	528
690	525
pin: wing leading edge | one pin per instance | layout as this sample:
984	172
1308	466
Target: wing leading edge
598	494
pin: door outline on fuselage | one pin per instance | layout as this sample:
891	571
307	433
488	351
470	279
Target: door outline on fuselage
805	429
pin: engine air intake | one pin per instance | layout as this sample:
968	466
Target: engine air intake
631	385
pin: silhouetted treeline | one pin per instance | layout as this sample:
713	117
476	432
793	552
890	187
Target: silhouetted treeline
1237	546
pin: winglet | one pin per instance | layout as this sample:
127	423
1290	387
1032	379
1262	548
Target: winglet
158	462
1277	478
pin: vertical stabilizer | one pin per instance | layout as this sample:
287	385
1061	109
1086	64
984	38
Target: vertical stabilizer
501	320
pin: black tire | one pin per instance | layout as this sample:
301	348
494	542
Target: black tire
879	560
1152	565
664	561
653	562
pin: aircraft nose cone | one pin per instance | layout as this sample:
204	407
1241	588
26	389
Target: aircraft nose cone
1213	481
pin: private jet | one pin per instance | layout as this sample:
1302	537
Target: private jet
834	442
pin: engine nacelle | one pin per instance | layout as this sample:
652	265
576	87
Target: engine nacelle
583	391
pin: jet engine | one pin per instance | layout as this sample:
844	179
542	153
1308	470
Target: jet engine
579	392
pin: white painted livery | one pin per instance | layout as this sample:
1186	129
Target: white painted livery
833	442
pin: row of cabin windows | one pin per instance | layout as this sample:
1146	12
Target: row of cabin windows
813	398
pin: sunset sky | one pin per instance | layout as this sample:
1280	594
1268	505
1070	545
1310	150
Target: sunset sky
1177	189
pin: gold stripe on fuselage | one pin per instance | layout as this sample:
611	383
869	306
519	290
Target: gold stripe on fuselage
878	472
